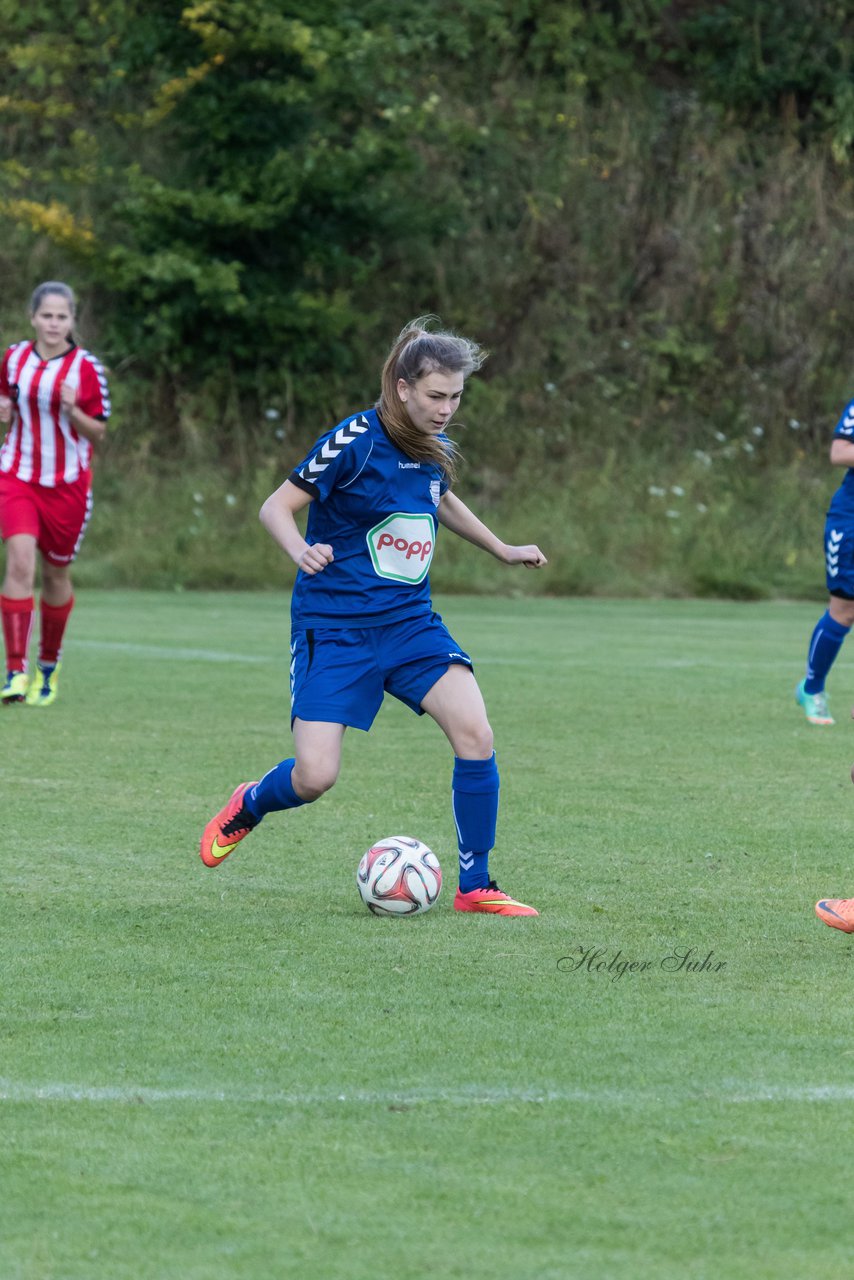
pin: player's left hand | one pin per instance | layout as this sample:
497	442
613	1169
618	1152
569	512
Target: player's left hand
531	557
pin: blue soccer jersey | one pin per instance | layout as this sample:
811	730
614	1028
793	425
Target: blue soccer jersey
376	508
842	502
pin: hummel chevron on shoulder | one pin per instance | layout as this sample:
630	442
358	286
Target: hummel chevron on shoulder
345	435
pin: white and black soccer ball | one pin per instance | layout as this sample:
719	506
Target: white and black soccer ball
399	876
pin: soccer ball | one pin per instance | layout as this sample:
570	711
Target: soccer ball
399	876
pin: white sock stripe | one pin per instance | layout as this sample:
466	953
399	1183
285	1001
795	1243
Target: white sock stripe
813	646
28	639
820	633
454	811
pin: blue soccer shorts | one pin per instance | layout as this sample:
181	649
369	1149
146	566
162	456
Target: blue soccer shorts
839	557
340	674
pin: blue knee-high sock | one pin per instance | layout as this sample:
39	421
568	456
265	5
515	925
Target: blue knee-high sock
475	797
273	792
827	640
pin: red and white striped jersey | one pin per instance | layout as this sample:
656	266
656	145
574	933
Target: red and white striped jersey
41	444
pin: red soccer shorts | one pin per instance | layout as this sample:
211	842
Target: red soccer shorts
56	518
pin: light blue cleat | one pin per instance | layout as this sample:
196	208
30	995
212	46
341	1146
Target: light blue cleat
814	705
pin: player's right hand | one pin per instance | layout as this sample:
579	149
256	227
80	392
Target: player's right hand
315	558
5	409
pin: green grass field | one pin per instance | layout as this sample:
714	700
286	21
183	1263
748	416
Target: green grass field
242	1075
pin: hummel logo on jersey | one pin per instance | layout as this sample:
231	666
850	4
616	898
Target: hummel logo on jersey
345	435
409	466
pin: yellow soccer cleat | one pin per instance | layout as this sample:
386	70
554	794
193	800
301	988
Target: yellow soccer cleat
44	686
15	688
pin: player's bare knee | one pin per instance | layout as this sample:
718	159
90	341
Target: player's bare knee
17	583
314	788
312	781
54	574
842	611
20	569
474	742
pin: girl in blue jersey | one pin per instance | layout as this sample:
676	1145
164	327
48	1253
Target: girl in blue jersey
377	486
832	628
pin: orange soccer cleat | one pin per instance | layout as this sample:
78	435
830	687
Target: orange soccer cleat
224	832
837	912
491	901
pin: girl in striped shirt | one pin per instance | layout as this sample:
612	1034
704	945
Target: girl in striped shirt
54	402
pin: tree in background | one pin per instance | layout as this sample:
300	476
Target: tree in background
257	197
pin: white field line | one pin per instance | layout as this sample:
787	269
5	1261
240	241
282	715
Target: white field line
474	1095
162	652
581	662
576	661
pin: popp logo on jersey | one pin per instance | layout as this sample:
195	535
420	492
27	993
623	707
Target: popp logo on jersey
401	547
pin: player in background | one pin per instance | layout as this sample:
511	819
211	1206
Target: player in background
833	626
377	486
55	403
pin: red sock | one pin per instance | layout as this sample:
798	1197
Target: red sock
17	625
53	620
